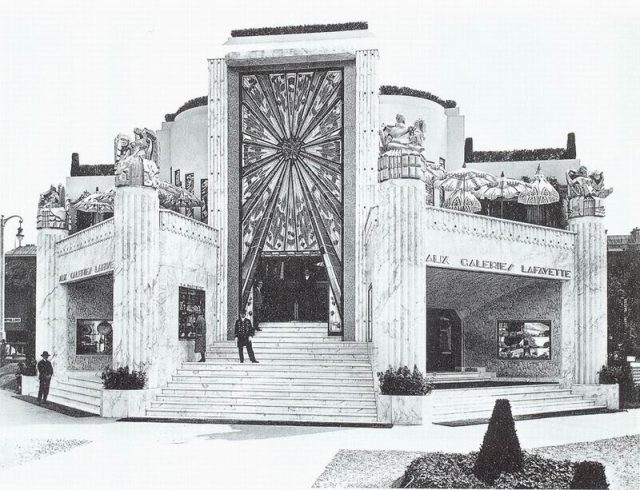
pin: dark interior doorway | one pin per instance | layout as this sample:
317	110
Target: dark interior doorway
444	340
295	288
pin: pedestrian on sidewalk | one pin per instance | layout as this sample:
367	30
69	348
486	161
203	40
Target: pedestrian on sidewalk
244	332
45	372
200	345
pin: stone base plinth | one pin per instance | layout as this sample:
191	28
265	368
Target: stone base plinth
125	403
602	394
30	385
404	410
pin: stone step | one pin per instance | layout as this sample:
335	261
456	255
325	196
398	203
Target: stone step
269	380
265	372
521	410
294	345
497	391
259	386
261	418
78	387
306	349
232	355
223	363
295	341
293	325
296	331
270	407
240	396
71	401
67	391
89	381
525	395
488	404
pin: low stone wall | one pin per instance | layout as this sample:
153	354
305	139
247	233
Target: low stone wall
602	394
404	410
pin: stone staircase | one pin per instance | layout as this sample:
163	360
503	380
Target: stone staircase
460	377
304	376
475	404
81	390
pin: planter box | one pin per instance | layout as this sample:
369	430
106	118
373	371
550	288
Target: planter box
30	385
404	410
125	403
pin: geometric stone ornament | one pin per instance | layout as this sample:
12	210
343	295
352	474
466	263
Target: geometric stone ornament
586	192
52	212
136	162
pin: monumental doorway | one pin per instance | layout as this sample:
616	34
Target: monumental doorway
291	192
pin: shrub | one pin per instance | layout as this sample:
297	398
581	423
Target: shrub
123	379
404	382
421	94
520	155
629	393
190	104
589	474
500	451
300	29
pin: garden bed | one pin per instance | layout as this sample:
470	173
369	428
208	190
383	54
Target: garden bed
380	469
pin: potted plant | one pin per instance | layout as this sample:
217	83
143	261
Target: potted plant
402	392
124	393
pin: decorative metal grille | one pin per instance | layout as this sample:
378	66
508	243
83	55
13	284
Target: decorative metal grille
292	169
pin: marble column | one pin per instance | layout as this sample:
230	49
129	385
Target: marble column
590	296
135	278
399	284
52	331
218	182
367	125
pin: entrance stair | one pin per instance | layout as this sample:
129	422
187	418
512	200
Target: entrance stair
81	390
303	376
476	404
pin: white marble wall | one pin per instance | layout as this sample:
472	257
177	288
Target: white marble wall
398	275
187	259
51	301
135	276
218	182
590	288
367	125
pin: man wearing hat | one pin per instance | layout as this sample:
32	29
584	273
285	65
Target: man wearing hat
45	371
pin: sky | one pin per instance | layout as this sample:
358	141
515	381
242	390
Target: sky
526	73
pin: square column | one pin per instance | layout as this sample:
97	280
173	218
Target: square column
218	181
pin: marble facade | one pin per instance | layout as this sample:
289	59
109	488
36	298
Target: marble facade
400	255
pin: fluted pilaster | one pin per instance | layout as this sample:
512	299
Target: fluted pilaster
51	300
136	268
399	278
367	122
218	182
590	296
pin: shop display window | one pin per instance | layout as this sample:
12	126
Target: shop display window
190	306
94	337
528	339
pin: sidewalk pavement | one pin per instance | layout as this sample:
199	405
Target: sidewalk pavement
146	455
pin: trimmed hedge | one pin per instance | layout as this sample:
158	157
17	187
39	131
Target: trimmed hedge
589	474
454	470
78	170
521	155
500	451
190	104
421	94
123	379
403	382
300	29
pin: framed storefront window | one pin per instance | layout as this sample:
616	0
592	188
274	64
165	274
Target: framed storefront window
94	337
190	306
524	339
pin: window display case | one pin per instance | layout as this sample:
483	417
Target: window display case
190	306
528	339
94	337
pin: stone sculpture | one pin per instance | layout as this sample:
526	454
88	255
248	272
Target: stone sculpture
400	139
137	161
52	210
581	183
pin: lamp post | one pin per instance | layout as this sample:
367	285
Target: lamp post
20	236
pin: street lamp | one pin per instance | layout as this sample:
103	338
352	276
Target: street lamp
19	236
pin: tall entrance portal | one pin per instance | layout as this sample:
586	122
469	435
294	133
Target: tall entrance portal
291	189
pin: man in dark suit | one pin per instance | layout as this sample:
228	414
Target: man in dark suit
244	333
258	300
45	371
